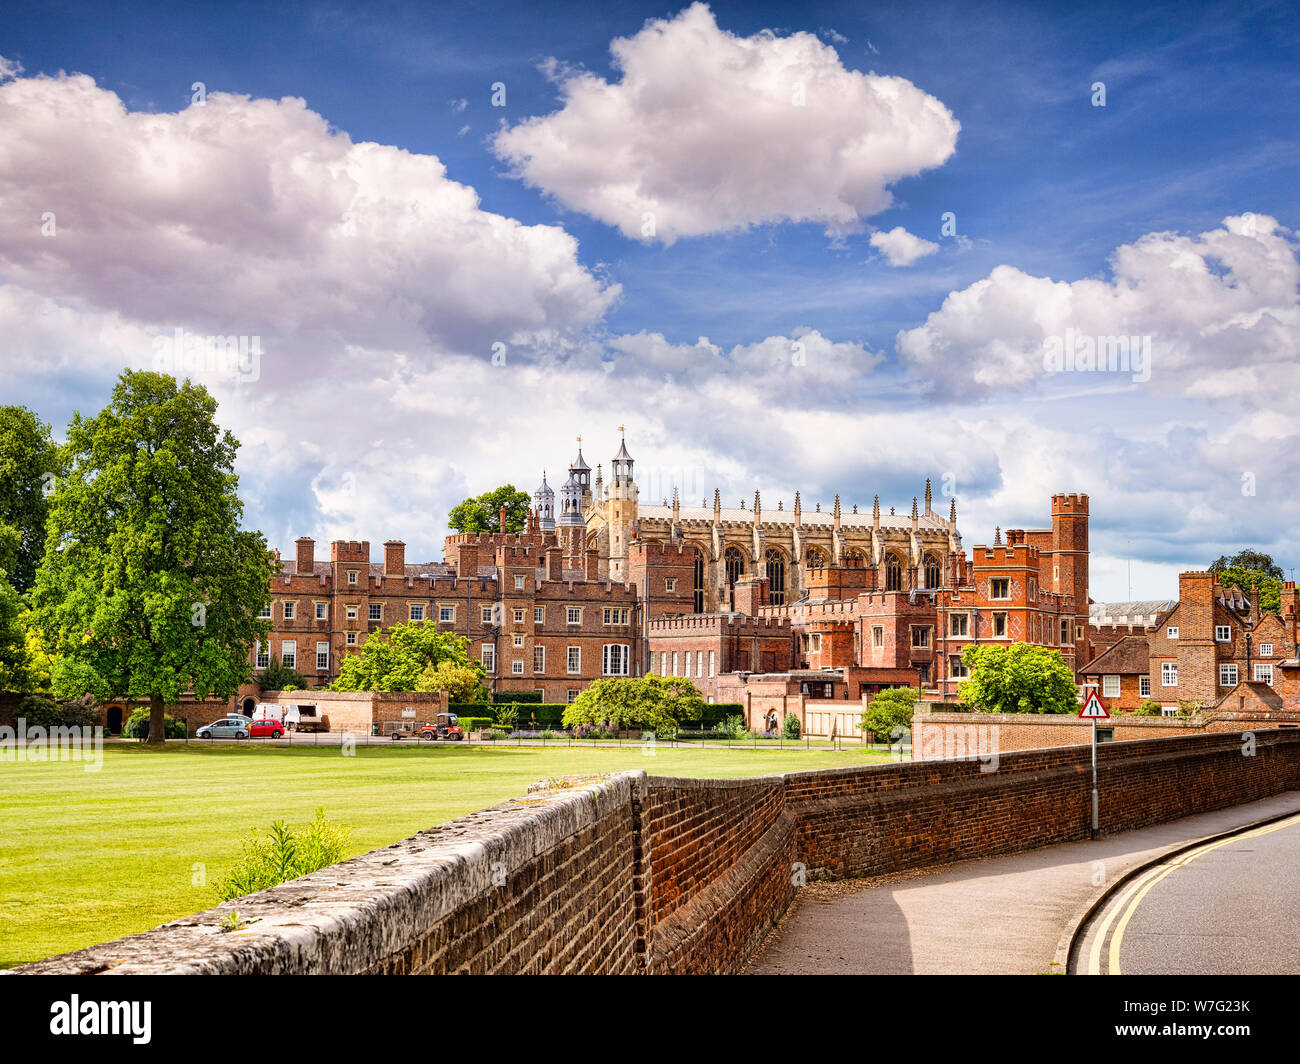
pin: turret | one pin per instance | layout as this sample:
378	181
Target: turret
544	502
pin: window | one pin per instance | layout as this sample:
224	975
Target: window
446	613
351	639
1144	686
539	615
539	659
663	663
352	576
734	565
1172	631
486	614
616	659
893	573
1228	675
1222	633
923	672
1169	711
616	615
571	694
959	624
265	612
712	663
1065	633
920	637
674	672
289	610
670	583
575	614
1110	686
263	655
518	616
999	626
519	583
289	653
575	659
697	583
488	656
1168	674
877	636
1001	589
956	669
518	640
1264	673
322	657
517	666
320	611
416	611
351	612
931	571
376	611
1265	650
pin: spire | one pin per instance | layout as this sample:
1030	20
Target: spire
837	511
875	513
928	511
952	512
997	536
913	513
717	506
798	509
758	507
677	506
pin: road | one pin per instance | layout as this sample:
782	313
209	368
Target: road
1001	915
1230	907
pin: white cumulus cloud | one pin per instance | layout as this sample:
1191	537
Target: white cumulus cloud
902	248
707	131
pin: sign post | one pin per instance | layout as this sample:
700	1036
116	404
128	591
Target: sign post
1094	711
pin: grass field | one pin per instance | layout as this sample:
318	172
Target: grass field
90	856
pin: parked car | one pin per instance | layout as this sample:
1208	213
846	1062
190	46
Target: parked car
265	726
232	727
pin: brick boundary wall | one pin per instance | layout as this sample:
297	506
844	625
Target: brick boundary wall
649	874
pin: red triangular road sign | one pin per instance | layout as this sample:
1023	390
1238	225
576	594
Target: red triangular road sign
1093	709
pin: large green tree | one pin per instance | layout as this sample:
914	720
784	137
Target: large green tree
482	513
149	588
1251	568
889	709
396	662
30	465
646	703
1019	678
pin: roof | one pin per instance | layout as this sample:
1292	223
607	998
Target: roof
1128	656
933	522
1264	692
1142	612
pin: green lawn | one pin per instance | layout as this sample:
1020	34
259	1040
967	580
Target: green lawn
86	857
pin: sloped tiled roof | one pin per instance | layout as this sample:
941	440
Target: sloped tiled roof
1129	656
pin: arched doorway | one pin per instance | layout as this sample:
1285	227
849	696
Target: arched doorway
113	720
249	705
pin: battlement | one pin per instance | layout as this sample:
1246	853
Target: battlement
1066	503
350	551
717	622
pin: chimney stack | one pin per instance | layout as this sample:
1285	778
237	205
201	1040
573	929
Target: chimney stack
306	561
394	558
467	561
592	558
554	564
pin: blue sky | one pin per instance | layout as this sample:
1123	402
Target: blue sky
1198	126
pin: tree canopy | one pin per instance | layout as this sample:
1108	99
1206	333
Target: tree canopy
888	710
397	661
646	703
482	513
30	465
148	587
1019	678
1251	568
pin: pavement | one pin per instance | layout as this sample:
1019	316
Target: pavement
1010	915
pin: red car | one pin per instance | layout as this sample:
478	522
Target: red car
266	726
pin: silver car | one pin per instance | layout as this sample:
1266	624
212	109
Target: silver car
226	728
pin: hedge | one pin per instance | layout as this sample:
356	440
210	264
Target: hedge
502	697
471	724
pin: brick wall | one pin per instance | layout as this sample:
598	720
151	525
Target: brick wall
646	874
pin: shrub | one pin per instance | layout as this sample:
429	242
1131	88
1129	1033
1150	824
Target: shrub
278	676
42	711
731	728
790	726
508	717
1149	708
285	854
470	724
137	725
889	713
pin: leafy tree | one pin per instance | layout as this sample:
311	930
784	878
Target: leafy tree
790	726
1248	569
889	709
148	587
1019	678
397	662
278	676
646	703
30	465
482	513
463	683
13	639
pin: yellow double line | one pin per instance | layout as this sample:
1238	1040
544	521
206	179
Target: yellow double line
1132	896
